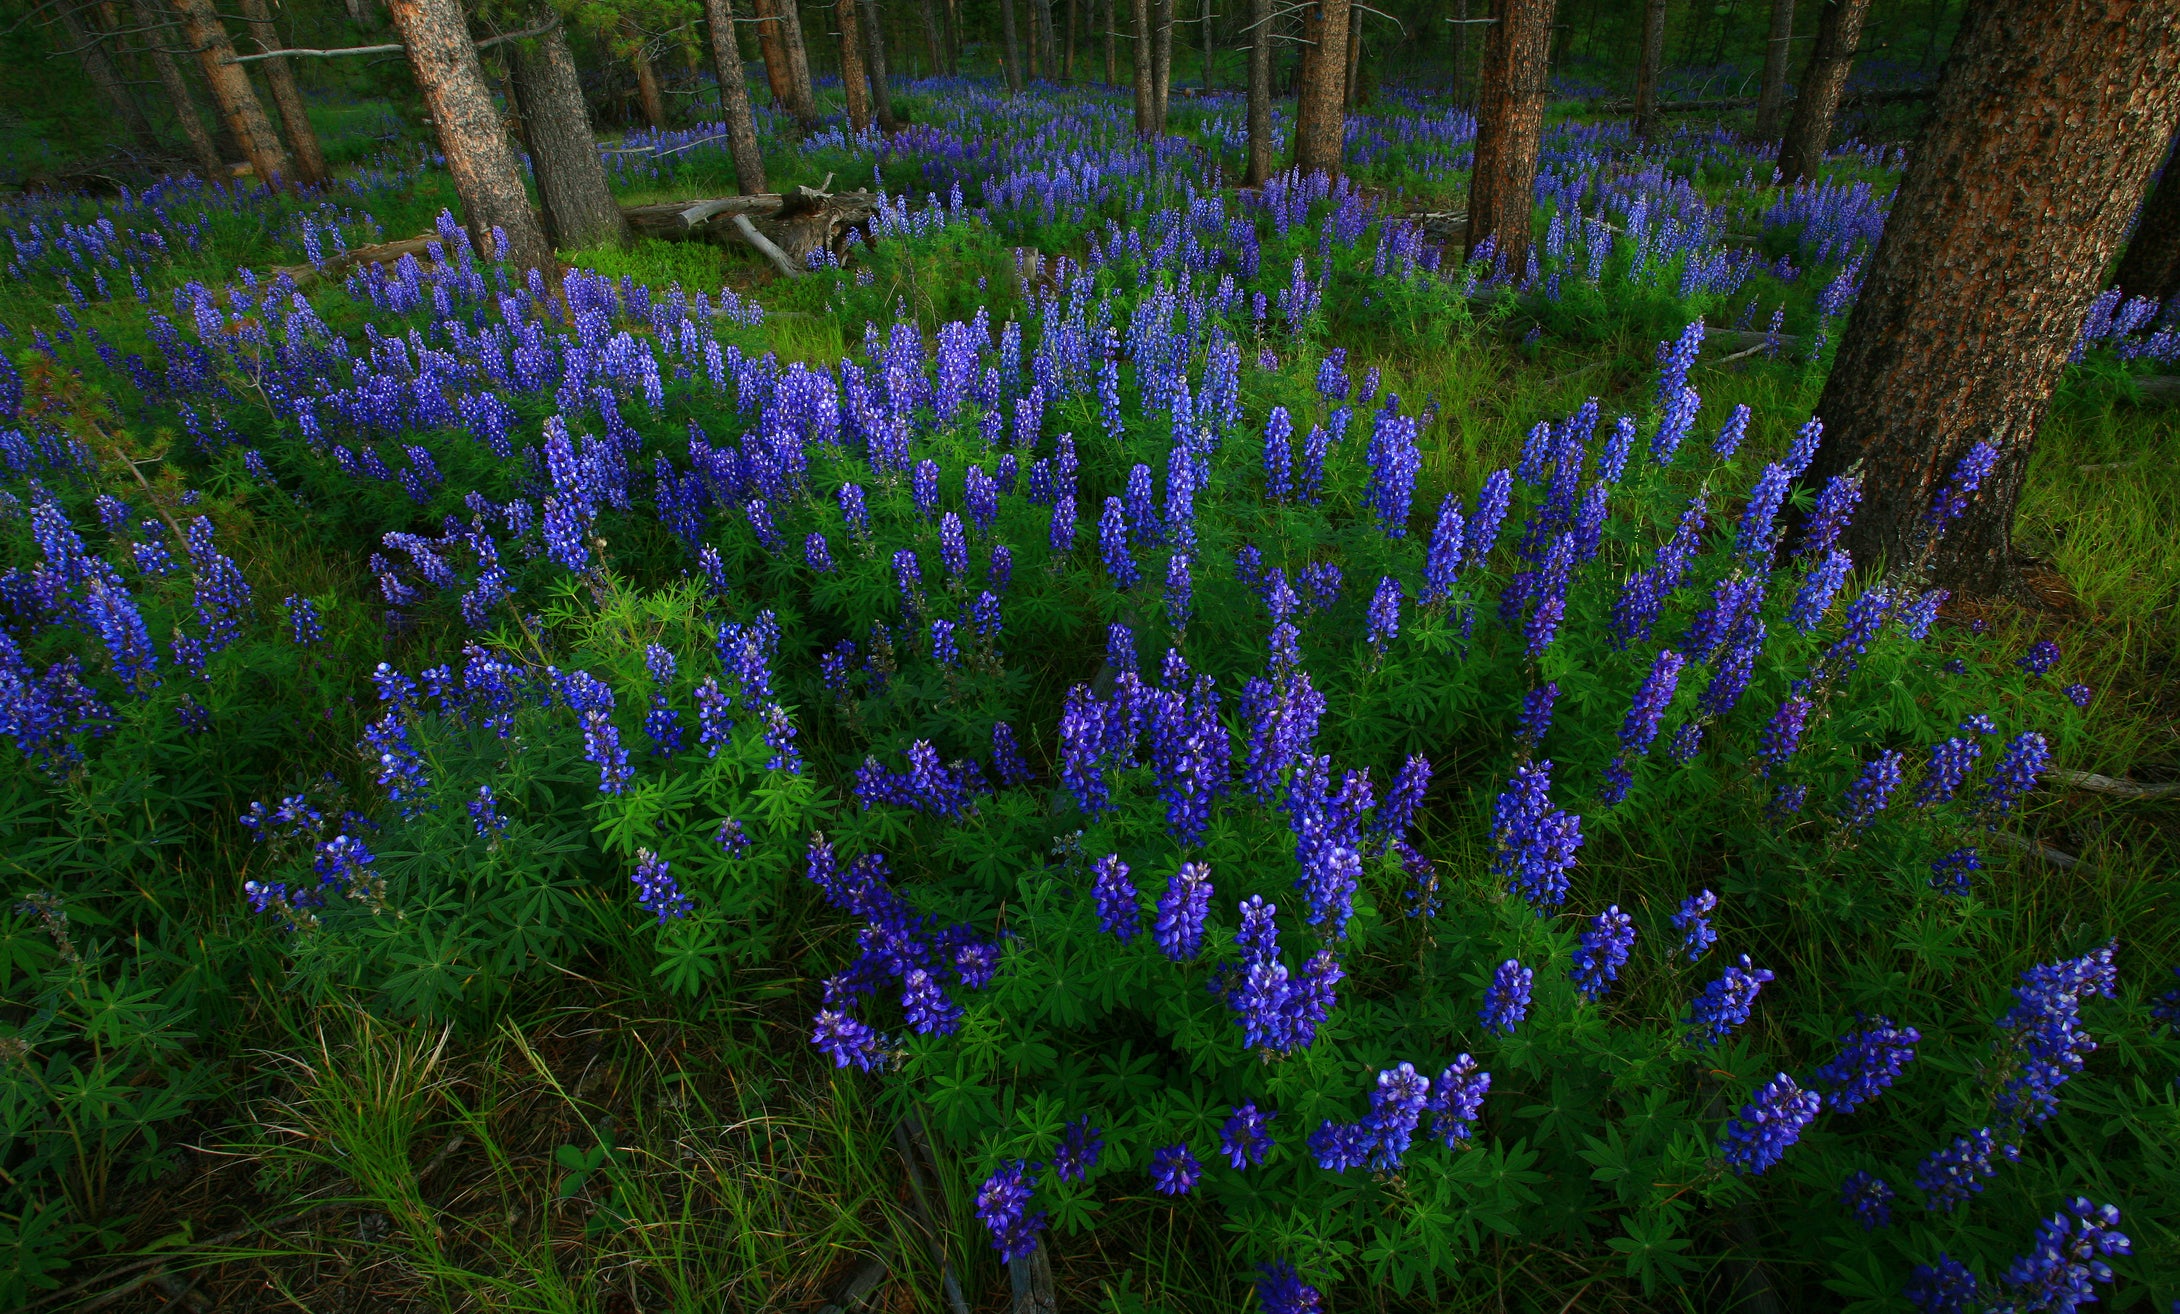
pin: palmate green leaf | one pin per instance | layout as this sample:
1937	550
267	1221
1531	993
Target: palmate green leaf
1653	1249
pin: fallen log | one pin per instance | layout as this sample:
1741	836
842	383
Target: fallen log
2091	783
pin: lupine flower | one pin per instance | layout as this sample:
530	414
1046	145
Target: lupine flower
1179	928
1870	1197
484	813
1078	1150
1113	546
1245	1137
1968	476
1174	1170
2040	658
1692	920
1949	874
1396	1110
1179	591
1280	1290
1457	1098
1950	763
1536	842
731	837
1384	615
1395	457
1871	790
1442	564
1767	1126
1946	1287
1731	433
656	890
1119	913
1007	757
1492	503
2045	1030
303	620
1278	455
817	554
2025	759
1619	445
1954	1174
1639	730
2067	1258
1919	613
1782	735
2081	695
1831	515
849	1042
1870	1059
929	1011
1062	537
953	550
1602	951
1002	1205
1725	1003
1506	999
779	736
1818	590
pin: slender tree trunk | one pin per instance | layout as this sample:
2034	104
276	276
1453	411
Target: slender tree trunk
874	52
1146	88
231	89
801	94
932	38
769	49
1771	102
749	163
1816	99
1509	124
1260	94
854	80
1307	51
1010	53
1351	94
2047	121
1112	44
1042	44
105	79
648	98
1648	67
1460	52
571	179
1320	119
1161	61
310	166
486	174
2151	267
158	36
1074	35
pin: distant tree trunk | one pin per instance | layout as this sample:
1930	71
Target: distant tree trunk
1010	52
1161	61
801	95
310	166
1260	94
749	163
231	89
1509	124
854	80
874	52
1816	97
1112	44
1047	38
1648	67
2151	267
648	99
1307	50
1146	86
774	54
1460	52
1203	19
90	52
2047	121
486	174
1320	120
1074	36
1771	102
1350	83
158	35
932	37
571	180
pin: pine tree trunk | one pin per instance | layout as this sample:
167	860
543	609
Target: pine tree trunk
1203	17
774	54
1648	67
1041	46
1771	102
1260	94
1161	61
1816	97
648	98
1146	89
2046	123
486	174
1112	45
1509	125
1010	54
1460	52
1305	63
1320	119
571	180
2151	267
1074	35
1350	83
310	166
801	94
933	39
231	89
749	162
158	35
105	79
855	82
874	53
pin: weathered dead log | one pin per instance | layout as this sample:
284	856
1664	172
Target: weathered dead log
795	224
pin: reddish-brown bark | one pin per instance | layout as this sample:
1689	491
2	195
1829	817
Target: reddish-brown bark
749	162
1320	113
1260	93
310	166
231	89
157	35
1509	126
855	81
1647	68
571	180
1816	96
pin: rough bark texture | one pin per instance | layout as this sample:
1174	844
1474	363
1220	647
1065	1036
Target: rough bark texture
1112	43
1074	37
1260	93
1460	52
933	40
2046	124
874	53
772	51
855	82
1146	89
2151	267
310	166
1204	32
1816	97
1351	82
648	99
1648	67
479	158
802	95
1320	114
749	163
157	36
232	91
1771	101
1047	45
571	179
1509	124
105	79
1010	51
1161	61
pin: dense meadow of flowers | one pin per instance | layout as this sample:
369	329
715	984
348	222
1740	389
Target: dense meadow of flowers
1197	804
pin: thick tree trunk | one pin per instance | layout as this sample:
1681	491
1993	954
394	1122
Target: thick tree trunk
1047	48
1509	124
773	52
1320	117
1306	55
1648	67
1146	87
2151	267
158	36
105	79
310	166
855	82
749	162
2047	121
1816	98
1260	93
571	180
1010	51
232	91
1771	101
1112	44
874	52
1460	52
1074	36
801	94
1161	61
